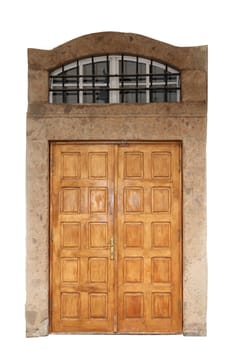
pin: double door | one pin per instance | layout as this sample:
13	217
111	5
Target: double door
115	238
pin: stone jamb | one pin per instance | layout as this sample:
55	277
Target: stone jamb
185	121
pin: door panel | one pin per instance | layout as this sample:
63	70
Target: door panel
127	198
82	227
149	248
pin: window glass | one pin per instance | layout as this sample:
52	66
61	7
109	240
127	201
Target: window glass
158	96
101	72
57	97
114	79
87	70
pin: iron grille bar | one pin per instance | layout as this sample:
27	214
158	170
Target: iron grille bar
101	88
165	92
78	81
93	79
162	87
107	75
117	75
122	80
63	86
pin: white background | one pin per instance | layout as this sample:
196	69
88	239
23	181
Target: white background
46	24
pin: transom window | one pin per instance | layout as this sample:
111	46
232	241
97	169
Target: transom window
114	79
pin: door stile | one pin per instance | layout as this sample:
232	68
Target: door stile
50	237
115	236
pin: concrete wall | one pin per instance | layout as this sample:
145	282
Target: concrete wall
185	121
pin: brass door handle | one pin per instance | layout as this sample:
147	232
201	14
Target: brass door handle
112	249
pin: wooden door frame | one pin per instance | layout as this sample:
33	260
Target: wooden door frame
50	245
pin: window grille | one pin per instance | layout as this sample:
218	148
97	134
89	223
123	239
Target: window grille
114	79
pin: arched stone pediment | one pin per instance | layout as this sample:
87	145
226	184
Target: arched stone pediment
73	181
119	43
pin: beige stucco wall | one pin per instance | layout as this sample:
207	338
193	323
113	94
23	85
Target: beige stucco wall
185	121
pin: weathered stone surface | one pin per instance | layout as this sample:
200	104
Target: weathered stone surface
175	110
38	86
112	42
197	91
185	121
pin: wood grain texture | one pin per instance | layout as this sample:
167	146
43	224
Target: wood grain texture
82	288
149	246
126	194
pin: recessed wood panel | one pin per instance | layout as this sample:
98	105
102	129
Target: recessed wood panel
98	165
133	199
133	235
98	305
70	305
131	194
133	270
70	235
70	270
161	165
98	233
160	270
71	165
133	164
161	305
160	234
82	216
70	200
133	305
98	270
98	200
161	199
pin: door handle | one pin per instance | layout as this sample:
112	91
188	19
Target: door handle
112	249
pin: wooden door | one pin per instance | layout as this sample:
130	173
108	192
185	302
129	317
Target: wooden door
122	197
149	239
82	200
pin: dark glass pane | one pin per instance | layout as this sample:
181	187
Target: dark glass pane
158	70
70	97
159	75
128	96
141	96
57	97
172	79
87	70
57	80
142	70
158	96
70	81
158	79
129	67
72	71
172	96
101	69
101	96
88	97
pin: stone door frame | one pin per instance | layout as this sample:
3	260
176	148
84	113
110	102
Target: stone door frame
184	121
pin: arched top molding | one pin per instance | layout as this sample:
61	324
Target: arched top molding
183	58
